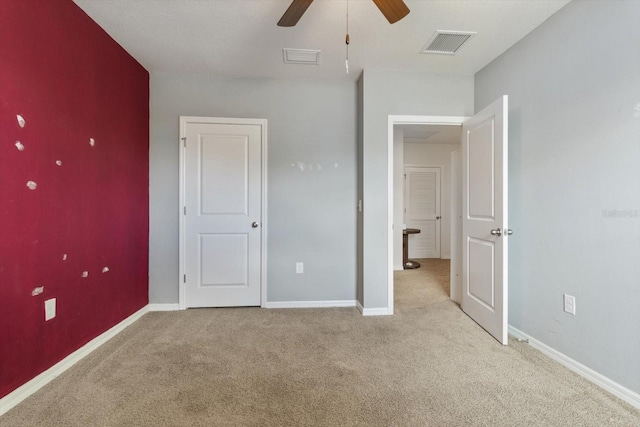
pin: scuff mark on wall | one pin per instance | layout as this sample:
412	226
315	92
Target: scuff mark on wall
59	162
21	121
106	269
32	185
37	291
64	257
85	274
92	142
19	146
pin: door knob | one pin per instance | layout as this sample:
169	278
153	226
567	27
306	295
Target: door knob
438	217
254	225
508	231
496	232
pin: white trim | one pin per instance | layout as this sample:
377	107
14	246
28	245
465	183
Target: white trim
598	379
402	120
382	311
164	307
263	229
35	384
309	304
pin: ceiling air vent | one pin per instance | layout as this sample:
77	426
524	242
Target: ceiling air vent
446	42
301	56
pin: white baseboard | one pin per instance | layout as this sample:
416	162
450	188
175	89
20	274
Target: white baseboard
381	311
309	304
598	379
398	267
35	384
164	307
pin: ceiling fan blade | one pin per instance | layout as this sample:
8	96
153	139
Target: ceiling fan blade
393	10
294	13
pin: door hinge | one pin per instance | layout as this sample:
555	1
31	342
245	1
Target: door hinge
184	140
184	209
184	278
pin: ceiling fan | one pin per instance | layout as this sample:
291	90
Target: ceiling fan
393	10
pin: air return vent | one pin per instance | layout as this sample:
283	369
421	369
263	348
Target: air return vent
301	56
446	42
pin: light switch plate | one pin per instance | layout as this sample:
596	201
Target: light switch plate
49	309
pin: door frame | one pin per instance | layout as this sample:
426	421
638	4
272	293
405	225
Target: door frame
391	122
184	121
404	199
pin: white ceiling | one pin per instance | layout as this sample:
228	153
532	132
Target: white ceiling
433	134
240	37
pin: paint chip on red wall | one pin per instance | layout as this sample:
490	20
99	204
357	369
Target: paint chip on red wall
59	162
37	291
85	274
106	269
92	142
21	121
19	146
32	185
64	257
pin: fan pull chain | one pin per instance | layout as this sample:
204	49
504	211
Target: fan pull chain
346	62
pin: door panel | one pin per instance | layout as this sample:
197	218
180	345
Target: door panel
223	177
484	207
222	188
422	201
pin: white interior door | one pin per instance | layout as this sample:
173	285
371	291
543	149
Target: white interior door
422	211
222	213
485	220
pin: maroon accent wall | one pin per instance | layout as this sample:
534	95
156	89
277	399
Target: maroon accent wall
90	207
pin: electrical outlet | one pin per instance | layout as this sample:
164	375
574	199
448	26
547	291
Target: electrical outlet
49	309
570	304
299	267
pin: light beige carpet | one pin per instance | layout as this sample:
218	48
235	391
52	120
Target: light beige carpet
428	365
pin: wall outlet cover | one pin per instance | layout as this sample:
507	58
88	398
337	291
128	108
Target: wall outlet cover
570	304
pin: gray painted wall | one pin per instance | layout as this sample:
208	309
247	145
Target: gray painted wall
574	195
395	93
311	179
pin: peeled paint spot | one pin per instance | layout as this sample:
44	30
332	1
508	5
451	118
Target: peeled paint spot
19	146
104	270
85	274
37	291
92	142
21	121
32	185
59	162
64	257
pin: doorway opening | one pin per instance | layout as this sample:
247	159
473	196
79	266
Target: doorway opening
423	176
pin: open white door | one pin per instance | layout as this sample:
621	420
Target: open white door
485	220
